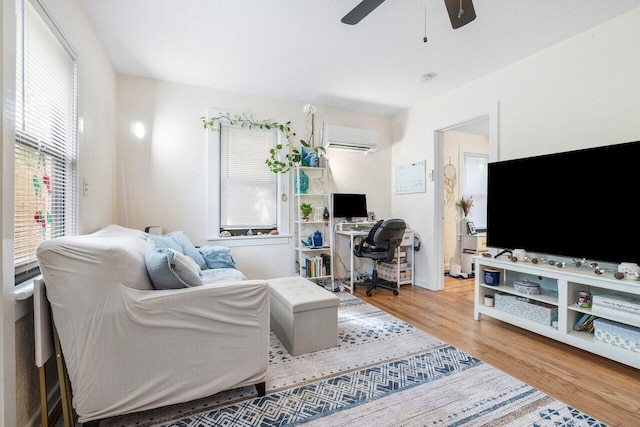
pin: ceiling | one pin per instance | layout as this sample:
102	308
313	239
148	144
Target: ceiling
299	50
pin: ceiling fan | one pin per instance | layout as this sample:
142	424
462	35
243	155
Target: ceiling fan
461	12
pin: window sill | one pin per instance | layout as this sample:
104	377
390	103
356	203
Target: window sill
22	295
280	239
24	290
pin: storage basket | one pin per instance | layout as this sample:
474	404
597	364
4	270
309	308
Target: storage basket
531	310
618	334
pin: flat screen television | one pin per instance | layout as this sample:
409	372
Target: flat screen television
576	204
349	206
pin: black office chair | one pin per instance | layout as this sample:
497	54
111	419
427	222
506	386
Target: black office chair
380	245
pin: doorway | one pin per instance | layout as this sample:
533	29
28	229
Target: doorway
466	154
482	121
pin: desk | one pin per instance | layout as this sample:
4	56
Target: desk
407	244
352	234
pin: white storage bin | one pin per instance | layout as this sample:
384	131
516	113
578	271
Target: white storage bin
523	307
618	334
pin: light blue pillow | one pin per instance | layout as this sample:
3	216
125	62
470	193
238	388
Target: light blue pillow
217	257
168	271
181	243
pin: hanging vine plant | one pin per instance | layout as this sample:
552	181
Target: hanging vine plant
282	157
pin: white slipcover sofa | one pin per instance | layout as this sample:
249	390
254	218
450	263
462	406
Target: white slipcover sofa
129	347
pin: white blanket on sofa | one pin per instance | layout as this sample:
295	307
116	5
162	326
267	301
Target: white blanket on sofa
130	348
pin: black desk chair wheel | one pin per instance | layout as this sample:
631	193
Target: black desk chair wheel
380	246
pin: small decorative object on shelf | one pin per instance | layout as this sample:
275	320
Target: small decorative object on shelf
630	270
584	299
325	214
525	287
520	254
305	210
491	276
466	205
471	228
301	185
317	239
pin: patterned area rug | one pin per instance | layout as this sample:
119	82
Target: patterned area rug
384	372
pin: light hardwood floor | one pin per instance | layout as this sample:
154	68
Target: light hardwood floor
604	389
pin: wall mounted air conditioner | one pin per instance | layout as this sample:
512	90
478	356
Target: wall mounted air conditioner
352	139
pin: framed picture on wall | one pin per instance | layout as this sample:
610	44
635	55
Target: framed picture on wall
471	229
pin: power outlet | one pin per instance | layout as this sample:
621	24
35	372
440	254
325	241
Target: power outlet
85	187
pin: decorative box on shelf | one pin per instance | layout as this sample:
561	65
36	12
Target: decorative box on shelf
523	307
618	334
526	287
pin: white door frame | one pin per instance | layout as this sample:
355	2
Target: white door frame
490	112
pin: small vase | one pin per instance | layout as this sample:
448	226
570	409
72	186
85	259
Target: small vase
463	225
302	186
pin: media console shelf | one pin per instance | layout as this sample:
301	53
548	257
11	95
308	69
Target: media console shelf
560	289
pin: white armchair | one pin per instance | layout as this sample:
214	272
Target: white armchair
130	348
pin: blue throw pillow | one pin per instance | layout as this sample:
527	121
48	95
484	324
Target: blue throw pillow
168	271
217	257
181	243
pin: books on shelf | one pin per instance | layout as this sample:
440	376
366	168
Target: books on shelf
585	323
316	266
618	302
616	313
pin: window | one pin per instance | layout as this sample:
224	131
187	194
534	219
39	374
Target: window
475	185
46	137
245	197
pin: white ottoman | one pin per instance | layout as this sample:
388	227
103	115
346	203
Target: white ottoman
304	316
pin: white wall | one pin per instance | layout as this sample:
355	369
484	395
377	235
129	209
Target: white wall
165	172
97	95
583	92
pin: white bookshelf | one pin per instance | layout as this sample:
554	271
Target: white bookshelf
318	195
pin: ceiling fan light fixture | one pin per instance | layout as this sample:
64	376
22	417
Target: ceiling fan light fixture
427	77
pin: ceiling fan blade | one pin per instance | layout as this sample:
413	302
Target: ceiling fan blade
461	12
360	11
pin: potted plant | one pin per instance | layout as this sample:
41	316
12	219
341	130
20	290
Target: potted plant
310	154
277	162
305	210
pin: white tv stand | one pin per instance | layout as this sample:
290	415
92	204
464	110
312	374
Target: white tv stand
560	287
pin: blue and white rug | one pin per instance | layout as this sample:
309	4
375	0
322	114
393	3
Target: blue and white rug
384	372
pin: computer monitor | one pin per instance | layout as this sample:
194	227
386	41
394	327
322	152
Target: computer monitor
349	206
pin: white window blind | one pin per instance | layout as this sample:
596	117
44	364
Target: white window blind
46	136
248	189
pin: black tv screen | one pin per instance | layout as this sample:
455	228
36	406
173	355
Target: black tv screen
349	205
577	204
